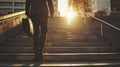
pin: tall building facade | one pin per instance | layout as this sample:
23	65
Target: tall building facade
55	4
101	5
12	6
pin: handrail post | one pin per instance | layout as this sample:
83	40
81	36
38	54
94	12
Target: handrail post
101	31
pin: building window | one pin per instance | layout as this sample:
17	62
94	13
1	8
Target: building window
18	10
6	4
5	11
19	4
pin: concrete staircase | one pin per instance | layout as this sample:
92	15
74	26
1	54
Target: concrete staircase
74	46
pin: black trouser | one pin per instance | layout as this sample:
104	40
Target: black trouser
40	30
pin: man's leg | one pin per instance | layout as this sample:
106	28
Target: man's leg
43	24
37	45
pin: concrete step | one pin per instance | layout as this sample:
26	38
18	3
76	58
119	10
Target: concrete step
62	31
28	43
58	57
69	31
59	37
62	35
20	38
62	64
76	38
78	44
59	49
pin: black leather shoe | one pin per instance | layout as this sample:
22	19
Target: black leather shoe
38	58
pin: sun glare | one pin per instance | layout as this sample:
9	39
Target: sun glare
65	10
70	15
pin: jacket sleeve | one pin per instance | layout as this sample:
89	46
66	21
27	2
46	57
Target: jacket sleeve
27	7
50	5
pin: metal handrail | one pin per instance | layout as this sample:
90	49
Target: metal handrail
101	25
10	22
10	16
110	25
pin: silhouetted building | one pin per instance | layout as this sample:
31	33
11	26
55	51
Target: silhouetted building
115	5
